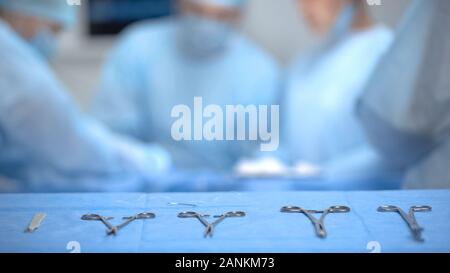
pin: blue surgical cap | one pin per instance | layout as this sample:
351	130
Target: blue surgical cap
224	3
54	10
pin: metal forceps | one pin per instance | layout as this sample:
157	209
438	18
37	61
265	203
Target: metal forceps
200	217
140	216
209	227
319	225
104	220
409	218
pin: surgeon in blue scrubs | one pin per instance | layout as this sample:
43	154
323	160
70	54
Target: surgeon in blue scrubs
199	52
320	127
405	108
46	143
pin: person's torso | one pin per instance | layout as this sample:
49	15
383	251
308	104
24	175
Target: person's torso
321	95
170	78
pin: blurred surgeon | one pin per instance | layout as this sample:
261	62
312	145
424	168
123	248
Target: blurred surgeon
199	52
321	128
46	143
405	108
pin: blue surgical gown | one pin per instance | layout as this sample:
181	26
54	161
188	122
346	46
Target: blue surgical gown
320	126
148	73
405	107
47	144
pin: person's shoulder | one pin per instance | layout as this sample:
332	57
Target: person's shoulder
148	29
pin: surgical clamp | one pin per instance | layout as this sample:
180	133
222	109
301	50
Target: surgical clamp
104	220
409	218
200	217
319	225
220	218
209	227
140	216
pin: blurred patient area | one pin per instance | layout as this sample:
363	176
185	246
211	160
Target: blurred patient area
87	94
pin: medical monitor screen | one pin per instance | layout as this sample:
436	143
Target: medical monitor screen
109	17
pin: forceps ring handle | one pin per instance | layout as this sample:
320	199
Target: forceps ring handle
191	214
232	214
339	209
388	208
421	208
290	209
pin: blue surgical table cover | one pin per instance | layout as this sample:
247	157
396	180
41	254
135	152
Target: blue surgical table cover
264	229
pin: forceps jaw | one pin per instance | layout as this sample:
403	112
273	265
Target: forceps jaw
320	230
209	230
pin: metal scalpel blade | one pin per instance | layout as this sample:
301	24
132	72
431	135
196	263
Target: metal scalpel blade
36	222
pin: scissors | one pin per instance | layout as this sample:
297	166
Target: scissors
409	218
319	225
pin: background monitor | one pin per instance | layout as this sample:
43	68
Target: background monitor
108	17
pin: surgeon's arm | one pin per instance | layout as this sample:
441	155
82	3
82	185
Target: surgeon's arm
407	117
63	149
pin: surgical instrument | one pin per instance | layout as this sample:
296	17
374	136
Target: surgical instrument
140	216
104	220
209	227
200	217
409	218
220	218
36	222
319	225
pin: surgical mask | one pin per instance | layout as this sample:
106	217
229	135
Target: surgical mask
45	43
203	37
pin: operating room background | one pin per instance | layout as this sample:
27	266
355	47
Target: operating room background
274	24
